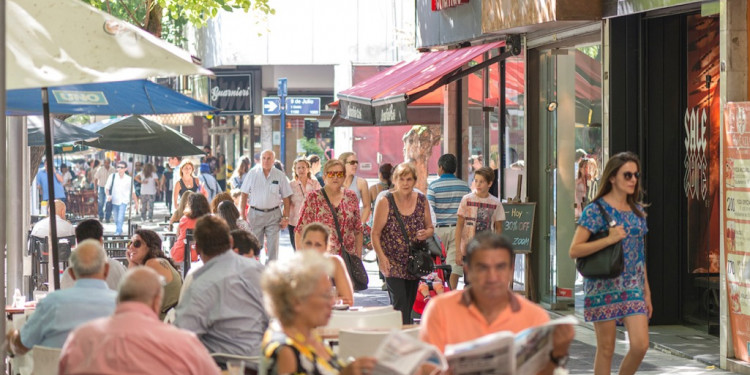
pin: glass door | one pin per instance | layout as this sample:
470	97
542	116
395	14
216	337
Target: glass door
570	120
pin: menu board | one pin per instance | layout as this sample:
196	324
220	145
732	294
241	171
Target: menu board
736	223
519	225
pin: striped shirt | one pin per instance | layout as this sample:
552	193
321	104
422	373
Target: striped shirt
445	195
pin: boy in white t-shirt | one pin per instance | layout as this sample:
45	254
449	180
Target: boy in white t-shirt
478	212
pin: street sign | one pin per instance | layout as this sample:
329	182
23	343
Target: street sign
295	106
282	87
302	106
271	106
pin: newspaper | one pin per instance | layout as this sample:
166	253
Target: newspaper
504	353
501	353
401	354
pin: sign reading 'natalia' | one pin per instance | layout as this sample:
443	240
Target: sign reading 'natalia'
444	4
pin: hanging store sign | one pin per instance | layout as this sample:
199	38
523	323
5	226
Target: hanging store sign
356	112
736	223
438	5
391	113
232	93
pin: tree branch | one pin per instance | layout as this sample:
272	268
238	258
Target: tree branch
109	9
130	14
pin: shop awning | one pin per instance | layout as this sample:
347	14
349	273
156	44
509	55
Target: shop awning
382	99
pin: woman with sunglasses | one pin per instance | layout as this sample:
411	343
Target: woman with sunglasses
187	181
302	184
626	298
345	206
357	185
144	249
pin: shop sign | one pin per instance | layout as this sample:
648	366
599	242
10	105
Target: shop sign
232	93
356	112
736	223
391	113
438	5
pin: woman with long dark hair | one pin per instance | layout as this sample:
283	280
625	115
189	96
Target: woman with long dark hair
197	207
144	249
228	211
626	298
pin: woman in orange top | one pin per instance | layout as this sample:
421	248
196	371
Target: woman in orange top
196	208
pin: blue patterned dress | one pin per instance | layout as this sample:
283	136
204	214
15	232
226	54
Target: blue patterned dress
608	299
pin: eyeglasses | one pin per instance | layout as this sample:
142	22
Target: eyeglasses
121	167
353	162
339	174
629	175
136	243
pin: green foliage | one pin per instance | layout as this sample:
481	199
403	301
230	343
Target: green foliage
173	15
592	51
310	145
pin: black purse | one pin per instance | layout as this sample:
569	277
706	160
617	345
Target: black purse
420	261
354	265
606	263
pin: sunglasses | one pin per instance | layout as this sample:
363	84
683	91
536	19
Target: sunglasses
121	167
629	175
353	162
340	174
136	243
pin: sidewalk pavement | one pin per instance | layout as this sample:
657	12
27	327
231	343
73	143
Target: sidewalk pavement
674	349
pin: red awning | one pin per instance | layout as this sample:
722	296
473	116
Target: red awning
382	98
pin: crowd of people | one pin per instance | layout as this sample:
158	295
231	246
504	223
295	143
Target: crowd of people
236	305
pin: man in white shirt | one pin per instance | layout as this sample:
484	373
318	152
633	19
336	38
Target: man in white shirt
117	189
64	228
266	187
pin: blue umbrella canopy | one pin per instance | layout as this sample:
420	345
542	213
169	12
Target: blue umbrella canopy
111	98
139	135
63	133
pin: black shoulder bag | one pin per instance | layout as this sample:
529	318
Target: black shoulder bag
354	265
606	263
420	261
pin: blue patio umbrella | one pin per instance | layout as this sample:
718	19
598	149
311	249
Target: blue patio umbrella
110	98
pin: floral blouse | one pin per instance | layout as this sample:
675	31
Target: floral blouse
299	193
315	209
308	360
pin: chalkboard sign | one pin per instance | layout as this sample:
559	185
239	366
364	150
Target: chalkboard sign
519	225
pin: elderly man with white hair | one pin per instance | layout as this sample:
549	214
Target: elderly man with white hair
264	189
64	310
142	343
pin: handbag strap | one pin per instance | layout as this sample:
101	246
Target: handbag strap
335	215
608	219
398	216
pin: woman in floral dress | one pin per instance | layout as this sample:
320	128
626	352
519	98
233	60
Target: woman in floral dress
626	298
389	242
346	205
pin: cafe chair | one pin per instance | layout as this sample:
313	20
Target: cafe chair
46	360
377	319
252	363
355	343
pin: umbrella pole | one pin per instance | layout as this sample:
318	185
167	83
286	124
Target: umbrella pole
130	199
3	186
48	152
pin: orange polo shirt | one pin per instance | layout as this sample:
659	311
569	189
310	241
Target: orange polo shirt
453	318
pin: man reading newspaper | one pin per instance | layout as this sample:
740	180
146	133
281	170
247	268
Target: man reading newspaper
489	305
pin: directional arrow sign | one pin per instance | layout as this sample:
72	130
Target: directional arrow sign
271	106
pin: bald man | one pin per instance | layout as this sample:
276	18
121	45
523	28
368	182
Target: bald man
64	227
64	310
144	345
264	189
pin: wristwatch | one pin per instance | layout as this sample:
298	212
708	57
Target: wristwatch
285	218
560	361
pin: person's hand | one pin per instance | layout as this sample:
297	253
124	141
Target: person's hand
561	339
360	366
438	287
649	306
459	258
109	198
422	234
616	234
284	222
385	266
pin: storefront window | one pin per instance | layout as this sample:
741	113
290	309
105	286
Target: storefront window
515	127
